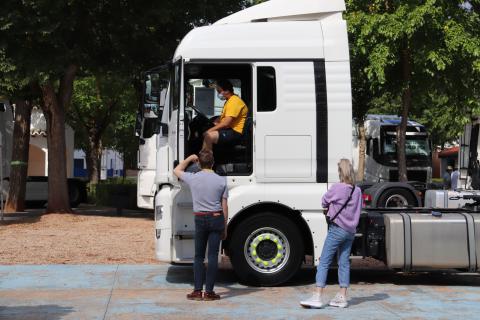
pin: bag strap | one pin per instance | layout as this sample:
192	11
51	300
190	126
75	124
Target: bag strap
344	205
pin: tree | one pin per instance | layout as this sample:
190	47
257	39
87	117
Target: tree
417	52
15	85
52	41
101	107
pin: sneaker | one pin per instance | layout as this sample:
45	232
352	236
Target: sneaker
210	296
339	301
315	301
195	295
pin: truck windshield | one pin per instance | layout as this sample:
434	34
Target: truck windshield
414	145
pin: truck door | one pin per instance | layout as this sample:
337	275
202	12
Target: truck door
284	121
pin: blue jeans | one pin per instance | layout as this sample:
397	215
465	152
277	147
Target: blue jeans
338	241
208	229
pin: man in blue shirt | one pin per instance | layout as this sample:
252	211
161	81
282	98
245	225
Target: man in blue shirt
209	194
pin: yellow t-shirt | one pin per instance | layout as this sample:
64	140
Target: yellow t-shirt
237	109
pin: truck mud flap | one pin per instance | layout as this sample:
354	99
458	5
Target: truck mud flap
417	241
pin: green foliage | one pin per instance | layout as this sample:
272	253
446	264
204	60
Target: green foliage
443	41
113	194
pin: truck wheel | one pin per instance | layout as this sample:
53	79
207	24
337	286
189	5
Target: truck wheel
74	195
397	198
266	250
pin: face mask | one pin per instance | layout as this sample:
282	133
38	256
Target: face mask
220	96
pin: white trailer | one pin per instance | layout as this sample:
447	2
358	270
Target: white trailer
381	151
289	60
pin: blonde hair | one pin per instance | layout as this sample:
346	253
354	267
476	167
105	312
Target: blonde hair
345	172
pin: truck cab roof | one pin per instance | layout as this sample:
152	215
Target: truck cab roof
274	30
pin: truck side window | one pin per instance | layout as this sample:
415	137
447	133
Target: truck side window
175	88
266	89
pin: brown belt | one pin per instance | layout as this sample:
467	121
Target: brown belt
208	213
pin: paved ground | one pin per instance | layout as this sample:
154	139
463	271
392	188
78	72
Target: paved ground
158	292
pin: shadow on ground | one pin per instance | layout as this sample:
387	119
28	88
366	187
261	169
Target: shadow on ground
306	276
226	279
20	218
91	210
40	312
34	215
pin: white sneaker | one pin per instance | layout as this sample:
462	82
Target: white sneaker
315	301
339	301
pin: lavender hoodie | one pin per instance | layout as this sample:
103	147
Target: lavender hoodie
336	197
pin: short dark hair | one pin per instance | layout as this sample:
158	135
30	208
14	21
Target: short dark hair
225	85
205	157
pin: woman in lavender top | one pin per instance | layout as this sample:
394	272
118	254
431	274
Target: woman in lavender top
341	234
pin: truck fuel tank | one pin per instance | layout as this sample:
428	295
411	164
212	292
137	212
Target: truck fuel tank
425	241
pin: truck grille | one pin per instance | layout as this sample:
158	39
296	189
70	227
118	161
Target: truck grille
412	175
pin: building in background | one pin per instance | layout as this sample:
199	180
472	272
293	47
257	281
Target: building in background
441	159
111	164
38	151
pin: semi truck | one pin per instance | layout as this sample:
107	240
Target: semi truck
289	61
37	186
381	151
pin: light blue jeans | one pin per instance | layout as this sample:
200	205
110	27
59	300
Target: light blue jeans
338	241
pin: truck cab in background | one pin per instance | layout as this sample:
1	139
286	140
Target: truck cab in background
381	151
380	183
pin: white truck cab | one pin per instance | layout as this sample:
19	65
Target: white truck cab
289	61
381	152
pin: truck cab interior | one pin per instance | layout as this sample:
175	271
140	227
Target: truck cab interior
202	107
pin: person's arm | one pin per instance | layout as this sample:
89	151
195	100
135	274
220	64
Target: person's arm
225	217
225	123
225	211
180	168
330	196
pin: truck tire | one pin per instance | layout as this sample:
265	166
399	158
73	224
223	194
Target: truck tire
396	198
266	249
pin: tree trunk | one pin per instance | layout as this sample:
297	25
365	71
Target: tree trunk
54	107
362	143
406	105
19	165
93	157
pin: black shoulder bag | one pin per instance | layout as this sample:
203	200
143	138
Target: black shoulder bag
330	220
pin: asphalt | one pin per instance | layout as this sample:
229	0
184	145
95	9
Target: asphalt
158	292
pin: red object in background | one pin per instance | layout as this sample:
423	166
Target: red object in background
366	199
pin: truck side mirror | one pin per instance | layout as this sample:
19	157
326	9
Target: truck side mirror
154	95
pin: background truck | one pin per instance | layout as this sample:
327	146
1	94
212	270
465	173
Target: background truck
381	151
289	61
381	167
37	186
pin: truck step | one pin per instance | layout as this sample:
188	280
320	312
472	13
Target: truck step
357	257
185	235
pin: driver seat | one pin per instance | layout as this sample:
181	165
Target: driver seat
238	153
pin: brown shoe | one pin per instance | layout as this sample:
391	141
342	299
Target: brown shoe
195	295
210	296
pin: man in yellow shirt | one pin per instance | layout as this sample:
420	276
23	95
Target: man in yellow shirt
228	129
